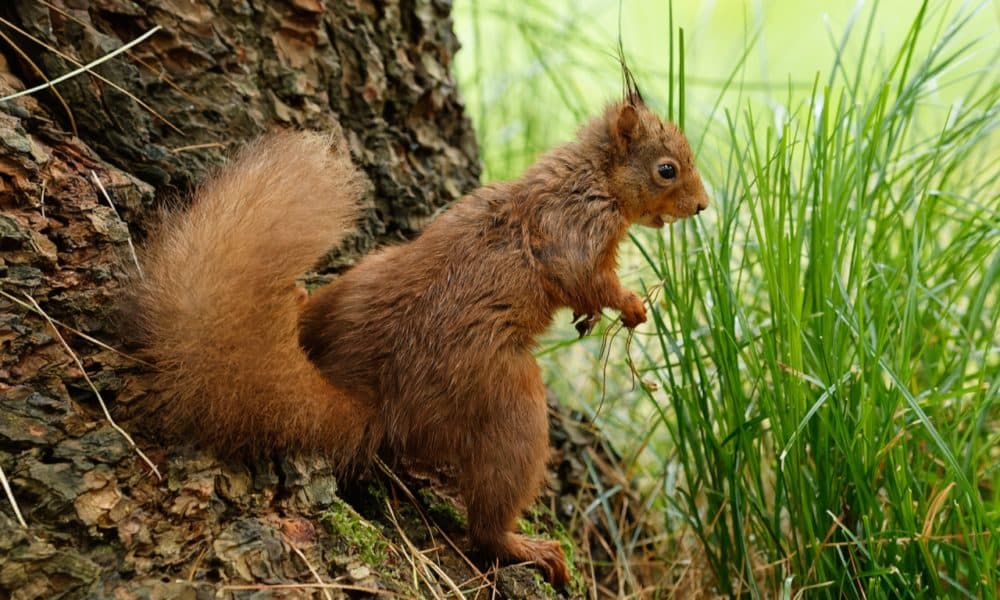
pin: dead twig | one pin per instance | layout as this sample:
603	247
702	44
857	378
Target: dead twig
180	149
131	246
197	563
41	198
41	73
13	501
315	573
97	393
95	74
309	586
86	68
79	333
427	522
170	82
429	566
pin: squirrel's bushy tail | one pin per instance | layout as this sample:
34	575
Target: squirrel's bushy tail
216	308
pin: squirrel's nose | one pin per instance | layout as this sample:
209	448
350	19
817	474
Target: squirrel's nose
701	204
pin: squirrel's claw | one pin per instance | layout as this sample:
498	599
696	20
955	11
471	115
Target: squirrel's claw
547	555
585	323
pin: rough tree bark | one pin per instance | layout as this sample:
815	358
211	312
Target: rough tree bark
218	73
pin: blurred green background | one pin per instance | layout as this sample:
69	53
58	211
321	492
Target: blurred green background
531	72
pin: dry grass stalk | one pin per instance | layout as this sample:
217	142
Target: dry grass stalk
13	501
180	149
38	70
609	335
159	72
95	74
97	393
308	586
131	246
197	563
409	555
429	567
75	331
315	573
429	523
84	69
41	198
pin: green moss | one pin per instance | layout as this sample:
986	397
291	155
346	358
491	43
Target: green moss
362	538
541	523
546	588
527	527
444	512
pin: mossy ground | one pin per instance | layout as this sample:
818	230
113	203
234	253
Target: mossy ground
359	537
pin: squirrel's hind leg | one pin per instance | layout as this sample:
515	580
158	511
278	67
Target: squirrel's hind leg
503	472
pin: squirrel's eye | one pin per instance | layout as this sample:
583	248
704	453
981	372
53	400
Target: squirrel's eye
667	171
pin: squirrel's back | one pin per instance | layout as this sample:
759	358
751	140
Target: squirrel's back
216	308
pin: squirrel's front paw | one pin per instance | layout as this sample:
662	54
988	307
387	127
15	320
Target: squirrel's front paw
633	311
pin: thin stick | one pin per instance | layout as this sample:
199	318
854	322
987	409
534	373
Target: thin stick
160	74
610	334
417	574
97	393
69	58
41	73
84	68
79	333
13	502
428	565
41	199
308	586
197	563
315	574
131	246
952	537
180	149
427	522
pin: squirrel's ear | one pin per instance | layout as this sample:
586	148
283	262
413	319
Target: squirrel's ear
624	126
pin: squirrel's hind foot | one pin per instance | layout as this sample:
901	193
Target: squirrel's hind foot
547	555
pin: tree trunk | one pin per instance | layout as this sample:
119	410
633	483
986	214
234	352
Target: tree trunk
147	125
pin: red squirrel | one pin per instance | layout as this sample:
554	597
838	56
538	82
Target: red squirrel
422	349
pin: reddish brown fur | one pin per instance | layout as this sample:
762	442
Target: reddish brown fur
428	344
217	309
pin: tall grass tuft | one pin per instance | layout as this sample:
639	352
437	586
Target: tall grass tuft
818	393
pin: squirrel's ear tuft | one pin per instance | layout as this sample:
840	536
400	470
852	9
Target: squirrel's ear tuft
624	126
